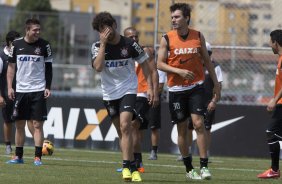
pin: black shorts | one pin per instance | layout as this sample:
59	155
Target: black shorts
155	117
142	109
7	111
208	120
30	106
124	104
275	125
184	103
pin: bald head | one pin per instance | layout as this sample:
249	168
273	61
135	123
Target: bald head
131	32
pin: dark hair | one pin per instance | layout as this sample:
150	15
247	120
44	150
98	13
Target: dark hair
129	29
103	19
32	21
11	36
276	35
185	8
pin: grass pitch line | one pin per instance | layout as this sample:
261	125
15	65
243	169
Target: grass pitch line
151	165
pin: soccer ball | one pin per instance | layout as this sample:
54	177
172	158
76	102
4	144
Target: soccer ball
47	148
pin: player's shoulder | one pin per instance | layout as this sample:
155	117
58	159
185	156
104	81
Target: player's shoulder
18	41
43	41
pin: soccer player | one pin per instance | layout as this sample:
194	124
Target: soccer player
142	106
209	102
32	56
8	104
155	119
274	130
181	53
114	58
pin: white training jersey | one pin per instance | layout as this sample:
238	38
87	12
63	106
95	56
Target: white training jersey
118	77
30	59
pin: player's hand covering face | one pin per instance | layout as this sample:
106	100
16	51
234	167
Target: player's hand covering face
106	34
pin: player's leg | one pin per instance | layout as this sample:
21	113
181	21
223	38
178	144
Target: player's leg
274	135
8	124
155	125
179	113
209	120
37	117
197	109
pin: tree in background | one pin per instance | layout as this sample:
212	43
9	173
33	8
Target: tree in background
41	10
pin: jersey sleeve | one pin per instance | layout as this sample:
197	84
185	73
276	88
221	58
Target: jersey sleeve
12	58
162	76
94	50
48	57
218	73
1	65
139	54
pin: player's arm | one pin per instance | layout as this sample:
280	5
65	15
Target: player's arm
11	72
48	59
2	101
162	62
154	77
272	103
208	64
99	53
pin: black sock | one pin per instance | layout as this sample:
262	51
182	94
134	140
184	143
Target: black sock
133	166
138	159
155	149
19	152
188	163
8	143
204	162
126	164
274	150
38	151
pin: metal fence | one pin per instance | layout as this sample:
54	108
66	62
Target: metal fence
238	32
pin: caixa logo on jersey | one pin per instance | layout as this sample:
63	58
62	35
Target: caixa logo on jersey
75	127
24	58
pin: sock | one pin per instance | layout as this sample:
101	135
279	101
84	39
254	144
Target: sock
19	152
126	164
38	151
138	159
188	163
155	149
274	150
204	162
8	143
133	166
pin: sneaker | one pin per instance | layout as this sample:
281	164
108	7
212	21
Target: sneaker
153	156
15	160
8	149
136	177
269	174
119	170
179	158
37	161
193	175
205	173
126	174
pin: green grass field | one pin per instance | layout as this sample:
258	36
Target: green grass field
98	167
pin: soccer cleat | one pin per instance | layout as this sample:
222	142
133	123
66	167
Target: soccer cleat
8	149
119	170
193	175
205	173
15	160
268	174
136	177
126	174
37	161
153	156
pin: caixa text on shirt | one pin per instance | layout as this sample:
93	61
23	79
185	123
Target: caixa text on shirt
30	58
116	63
